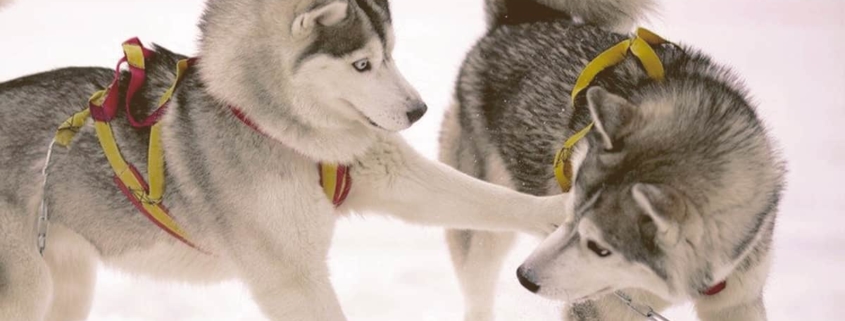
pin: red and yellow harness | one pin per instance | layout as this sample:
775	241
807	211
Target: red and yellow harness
147	195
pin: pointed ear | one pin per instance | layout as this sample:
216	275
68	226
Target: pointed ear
327	15
610	113
663	205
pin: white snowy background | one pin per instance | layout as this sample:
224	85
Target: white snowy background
789	51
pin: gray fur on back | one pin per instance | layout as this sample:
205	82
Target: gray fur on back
514	89
80	177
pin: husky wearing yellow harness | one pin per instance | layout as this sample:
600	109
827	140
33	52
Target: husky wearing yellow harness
232	164
673	178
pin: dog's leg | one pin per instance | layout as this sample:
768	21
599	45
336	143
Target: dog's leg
477	257
394	179
24	278
742	299
283	263
610	308
287	294
73	267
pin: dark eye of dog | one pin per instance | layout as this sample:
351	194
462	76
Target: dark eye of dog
600	251
362	65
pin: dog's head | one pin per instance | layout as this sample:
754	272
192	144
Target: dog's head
327	63
348	65
670	194
621	239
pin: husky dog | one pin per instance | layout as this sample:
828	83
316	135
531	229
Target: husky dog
317	80
676	187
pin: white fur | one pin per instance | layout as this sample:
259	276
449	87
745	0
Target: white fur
598	124
27	296
73	270
318	123
381	95
640	194
576	273
328	15
482	262
278	246
395	179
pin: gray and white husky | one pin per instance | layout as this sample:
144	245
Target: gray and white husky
318	80
676	187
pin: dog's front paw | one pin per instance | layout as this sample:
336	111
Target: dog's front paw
551	214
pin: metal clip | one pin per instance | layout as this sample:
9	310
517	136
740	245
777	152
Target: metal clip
43	225
43	222
641	309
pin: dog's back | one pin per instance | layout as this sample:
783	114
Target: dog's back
513	111
33	107
36	105
516	81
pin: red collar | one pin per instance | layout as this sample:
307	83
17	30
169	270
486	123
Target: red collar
240	115
715	289
335	180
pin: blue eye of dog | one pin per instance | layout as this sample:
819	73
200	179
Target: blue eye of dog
362	65
600	251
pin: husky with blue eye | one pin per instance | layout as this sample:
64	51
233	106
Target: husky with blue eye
676	187
279	87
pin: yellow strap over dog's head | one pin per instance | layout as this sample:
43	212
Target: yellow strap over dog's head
641	48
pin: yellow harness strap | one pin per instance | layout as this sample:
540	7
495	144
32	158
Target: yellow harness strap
641	48
146	197
335	179
69	128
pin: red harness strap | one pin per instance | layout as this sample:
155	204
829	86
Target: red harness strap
715	289
145	195
335	180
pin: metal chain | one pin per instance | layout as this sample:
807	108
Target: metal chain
43	222
641	309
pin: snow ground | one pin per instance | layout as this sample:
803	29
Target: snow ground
789	52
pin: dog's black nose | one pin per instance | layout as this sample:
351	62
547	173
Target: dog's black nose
417	113
523	279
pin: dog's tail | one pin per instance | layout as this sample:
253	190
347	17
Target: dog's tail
614	15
